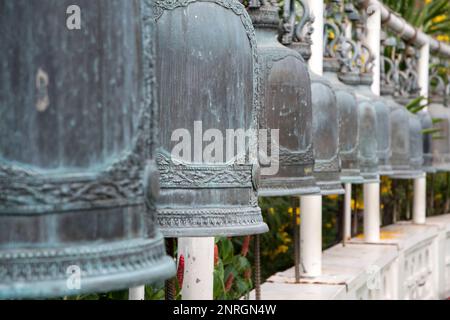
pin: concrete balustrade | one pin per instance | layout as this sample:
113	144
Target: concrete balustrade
410	261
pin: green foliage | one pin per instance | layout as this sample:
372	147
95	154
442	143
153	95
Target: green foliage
232	273
433	17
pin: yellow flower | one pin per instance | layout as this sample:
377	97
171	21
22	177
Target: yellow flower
331	35
290	210
297	210
271	210
332	197
439	18
328	225
443	37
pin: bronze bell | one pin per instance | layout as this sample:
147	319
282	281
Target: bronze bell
285	105
207	73
400	130
325	120
348	111
350	62
415	155
77	184
383	130
441	147
368	144
325	137
427	124
416	144
401	86
438	110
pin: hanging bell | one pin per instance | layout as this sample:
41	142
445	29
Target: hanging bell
440	147
286	106
383	130
401	142
427	124
207	74
325	137
347	105
77	187
400	86
325	119
416	144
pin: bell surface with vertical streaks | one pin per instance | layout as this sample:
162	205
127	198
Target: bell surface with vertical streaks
208	91
77	180
286	106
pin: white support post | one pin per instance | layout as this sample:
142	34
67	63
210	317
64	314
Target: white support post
348	212
311	235
198	256
372	190
420	189
419	209
372	212
423	66
373	41
316	60
136	293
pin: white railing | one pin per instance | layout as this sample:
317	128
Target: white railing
409	262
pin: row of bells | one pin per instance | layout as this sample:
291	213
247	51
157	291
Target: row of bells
87	180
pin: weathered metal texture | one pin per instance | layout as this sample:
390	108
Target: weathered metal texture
77	189
207	70
441	147
401	142
439	109
349	130
427	123
415	149
383	137
286	106
368	145
416	142
349	136
326	137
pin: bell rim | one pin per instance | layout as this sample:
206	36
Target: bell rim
280	192
202	232
154	266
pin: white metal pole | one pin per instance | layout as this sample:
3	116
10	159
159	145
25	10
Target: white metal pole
316	60
372	212
373	41
423	66
136	293
311	235
420	184
348	212
372	190
419	209
198	267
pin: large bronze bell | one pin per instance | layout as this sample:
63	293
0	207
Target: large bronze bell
401	142
400	86
348	111
207	73
415	154
77	184
427	124
416	143
325	137
285	105
383	137
325	116
438	110
350	61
